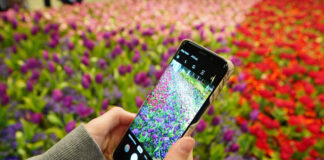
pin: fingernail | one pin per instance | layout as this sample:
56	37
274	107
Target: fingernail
187	145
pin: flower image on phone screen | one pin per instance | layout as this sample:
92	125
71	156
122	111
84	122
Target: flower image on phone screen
169	109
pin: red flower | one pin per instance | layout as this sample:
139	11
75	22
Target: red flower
286	151
287	56
295	120
288	71
305	144
307	101
262	51
268	122
315	128
266	93
262	144
321	98
258	132
244	54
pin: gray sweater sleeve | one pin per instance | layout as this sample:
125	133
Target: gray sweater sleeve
77	145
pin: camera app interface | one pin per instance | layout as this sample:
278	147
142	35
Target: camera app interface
170	107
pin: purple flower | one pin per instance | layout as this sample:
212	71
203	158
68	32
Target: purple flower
211	110
51	66
202	34
104	104
212	29
148	32
135	131
122	70
244	127
3	89
158	74
239	87
14	23
236	61
24	36
116	51
34	117
201	125
117	93
216	120
234	147
154	136
165	57
57	95
45	54
86	54
35	75
199	26
29	85
70	46
13	49
73	25
39	136
85	60
32	63
17	37
34	30
37	16
86	81
136	56
107	44
121	41
5	99
241	76
106	35
139	101
99	78
223	50
1	38
102	63
165	41
129	45
24	69
89	44
144	47
228	135
56	58
135	42
70	126
254	114
139	78
83	111
68	70
67	101
129	68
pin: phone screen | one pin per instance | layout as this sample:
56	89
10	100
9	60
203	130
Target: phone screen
170	108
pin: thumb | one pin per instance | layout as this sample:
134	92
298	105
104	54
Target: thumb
181	150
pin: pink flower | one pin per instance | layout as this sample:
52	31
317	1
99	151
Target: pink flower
69	126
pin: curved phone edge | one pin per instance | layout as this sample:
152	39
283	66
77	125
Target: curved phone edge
223	82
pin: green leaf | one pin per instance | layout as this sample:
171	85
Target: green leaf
29	129
57	131
54	119
217	151
246	142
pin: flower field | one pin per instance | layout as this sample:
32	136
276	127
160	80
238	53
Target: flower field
60	67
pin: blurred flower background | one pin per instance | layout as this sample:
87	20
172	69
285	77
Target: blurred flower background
63	66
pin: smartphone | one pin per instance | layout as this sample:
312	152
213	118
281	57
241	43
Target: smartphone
192	80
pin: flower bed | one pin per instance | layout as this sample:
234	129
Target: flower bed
63	66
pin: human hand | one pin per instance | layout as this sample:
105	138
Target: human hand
108	129
181	150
